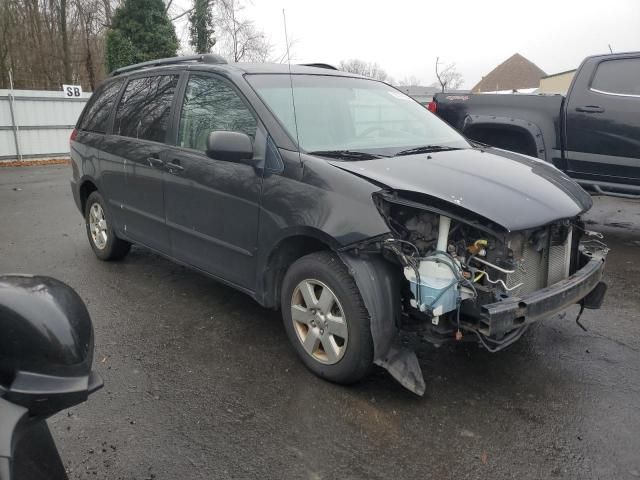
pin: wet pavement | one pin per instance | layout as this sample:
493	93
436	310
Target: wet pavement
200	381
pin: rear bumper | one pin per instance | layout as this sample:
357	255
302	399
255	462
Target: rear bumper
501	317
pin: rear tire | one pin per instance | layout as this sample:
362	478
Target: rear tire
330	332
104	242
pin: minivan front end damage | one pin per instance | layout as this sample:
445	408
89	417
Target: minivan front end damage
455	276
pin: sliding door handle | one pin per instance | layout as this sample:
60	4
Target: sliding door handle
174	166
155	162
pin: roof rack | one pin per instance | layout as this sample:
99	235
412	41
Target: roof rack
319	65
209	58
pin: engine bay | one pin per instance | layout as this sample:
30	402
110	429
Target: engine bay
453	265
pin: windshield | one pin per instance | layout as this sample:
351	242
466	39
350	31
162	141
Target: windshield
344	114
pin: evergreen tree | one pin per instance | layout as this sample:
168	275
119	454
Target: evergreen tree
140	31
201	29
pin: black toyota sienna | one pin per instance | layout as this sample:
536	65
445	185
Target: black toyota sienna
336	199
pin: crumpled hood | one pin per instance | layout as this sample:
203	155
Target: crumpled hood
512	190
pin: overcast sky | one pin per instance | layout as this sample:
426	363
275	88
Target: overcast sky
404	37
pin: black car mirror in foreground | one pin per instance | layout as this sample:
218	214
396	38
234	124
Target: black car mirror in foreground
46	352
230	146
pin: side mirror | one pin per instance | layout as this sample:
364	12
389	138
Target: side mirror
46	345
230	146
46	352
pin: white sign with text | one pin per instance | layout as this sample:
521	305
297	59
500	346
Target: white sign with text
72	91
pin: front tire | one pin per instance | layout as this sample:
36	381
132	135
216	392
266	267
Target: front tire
104	242
325	318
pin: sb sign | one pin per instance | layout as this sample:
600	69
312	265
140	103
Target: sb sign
72	91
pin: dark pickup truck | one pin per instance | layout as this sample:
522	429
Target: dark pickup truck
593	134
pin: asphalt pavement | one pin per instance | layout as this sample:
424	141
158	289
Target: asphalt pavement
201	383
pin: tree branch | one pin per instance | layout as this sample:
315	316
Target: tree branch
186	12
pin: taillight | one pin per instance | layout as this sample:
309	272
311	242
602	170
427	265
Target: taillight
74	134
432	107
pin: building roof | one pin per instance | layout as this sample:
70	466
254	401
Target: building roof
514	73
560	73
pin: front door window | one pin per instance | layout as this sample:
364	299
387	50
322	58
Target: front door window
210	104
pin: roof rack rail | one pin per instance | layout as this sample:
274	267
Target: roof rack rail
210	58
319	65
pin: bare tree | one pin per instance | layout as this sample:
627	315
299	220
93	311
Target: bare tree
50	42
238	37
286	55
6	30
366	69
108	11
93	16
66	53
448	77
411	81
32	43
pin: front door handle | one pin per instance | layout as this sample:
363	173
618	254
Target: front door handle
155	162
174	166
590	109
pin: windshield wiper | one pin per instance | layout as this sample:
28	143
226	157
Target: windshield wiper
478	144
346	154
426	149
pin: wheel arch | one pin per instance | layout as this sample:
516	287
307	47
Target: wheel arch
513	134
289	248
87	187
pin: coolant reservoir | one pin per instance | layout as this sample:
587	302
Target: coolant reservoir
439	290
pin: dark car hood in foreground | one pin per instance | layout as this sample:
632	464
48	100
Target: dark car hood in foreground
512	190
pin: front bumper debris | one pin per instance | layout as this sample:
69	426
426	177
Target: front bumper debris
504	316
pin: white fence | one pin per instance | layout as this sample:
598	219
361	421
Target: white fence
37	123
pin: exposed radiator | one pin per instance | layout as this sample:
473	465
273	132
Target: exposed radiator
559	261
539	269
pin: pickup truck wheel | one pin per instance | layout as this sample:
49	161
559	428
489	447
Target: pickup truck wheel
106	245
326	320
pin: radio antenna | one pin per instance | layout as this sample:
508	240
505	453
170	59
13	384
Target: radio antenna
293	99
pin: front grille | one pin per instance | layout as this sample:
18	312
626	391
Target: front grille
538	269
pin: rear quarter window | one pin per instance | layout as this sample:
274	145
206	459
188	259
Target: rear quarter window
145	106
96	114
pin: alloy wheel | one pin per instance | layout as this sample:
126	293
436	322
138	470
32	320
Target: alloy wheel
98	226
319	321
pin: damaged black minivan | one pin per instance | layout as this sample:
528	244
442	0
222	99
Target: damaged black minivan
336	199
